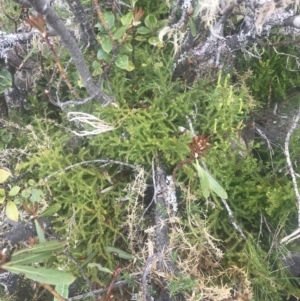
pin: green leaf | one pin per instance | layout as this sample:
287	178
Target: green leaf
48	246
143	30
122	61
155	41
6	138
96	65
29	258
126	48
5	80
89	258
151	21
12	211
14	191
97	68
120	32
119	252
197	9
43	275
39	231
109	18
50	210
127	19
106	45
100	268
4	175
204	182
140	38
102	55
63	290
2	195
37	195
192	27
216	187
130	66
32	183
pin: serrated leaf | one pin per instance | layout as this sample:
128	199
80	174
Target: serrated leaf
43	275
3	175
2	195
63	290
11	210
119	252
106	45
36	195
143	30
127	19
151	21
122	61
39	231
100	268
120	32
14	191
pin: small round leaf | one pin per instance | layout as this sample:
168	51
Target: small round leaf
14	191
151	22
143	30
155	41
4	175
12	211
106	45
122	61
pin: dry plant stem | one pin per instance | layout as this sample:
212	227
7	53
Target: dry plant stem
53	292
61	69
115	275
107	161
291	237
289	162
233	221
153	198
103	22
44	8
96	293
149	262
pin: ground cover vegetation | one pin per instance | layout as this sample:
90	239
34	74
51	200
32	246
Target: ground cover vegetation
162	145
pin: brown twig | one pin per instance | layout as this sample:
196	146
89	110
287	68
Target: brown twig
180	164
115	275
40	24
53	292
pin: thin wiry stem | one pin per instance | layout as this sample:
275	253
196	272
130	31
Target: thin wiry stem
289	162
